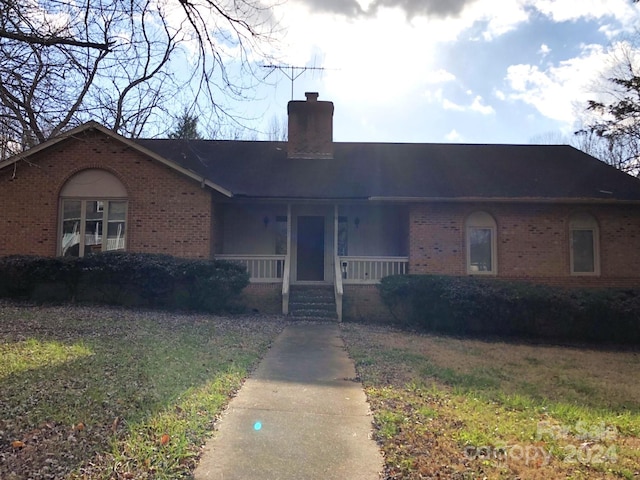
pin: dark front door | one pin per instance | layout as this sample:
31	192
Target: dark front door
311	248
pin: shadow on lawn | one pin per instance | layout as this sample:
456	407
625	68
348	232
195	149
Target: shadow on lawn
526	383
139	394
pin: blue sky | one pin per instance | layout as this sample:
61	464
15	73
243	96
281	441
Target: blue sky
471	71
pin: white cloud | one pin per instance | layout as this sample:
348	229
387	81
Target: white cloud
386	57
433	95
453	136
371	60
478	106
449	105
557	90
388	60
501	17
439	76
569	10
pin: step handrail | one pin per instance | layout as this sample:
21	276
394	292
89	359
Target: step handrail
285	286
338	288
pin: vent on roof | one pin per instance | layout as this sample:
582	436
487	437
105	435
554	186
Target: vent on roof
310	128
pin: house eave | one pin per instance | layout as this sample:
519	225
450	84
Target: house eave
544	200
294	199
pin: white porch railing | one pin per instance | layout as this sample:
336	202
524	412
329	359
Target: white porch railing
372	269
115	243
261	268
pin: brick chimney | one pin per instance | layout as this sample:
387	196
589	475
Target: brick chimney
310	128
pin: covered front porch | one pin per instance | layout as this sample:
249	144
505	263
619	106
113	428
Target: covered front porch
313	243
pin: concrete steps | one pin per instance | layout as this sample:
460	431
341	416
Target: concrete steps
312	302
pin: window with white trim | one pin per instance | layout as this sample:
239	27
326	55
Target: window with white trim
281	234
481	244
343	236
584	245
93	214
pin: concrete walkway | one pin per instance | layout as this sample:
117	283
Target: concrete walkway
301	415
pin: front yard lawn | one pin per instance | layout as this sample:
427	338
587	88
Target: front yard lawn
471	409
99	393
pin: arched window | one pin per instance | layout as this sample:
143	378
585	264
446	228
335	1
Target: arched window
584	244
481	244
93	214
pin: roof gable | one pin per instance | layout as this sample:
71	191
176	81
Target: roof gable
86	127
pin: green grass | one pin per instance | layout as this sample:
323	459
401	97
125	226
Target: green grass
32	354
435	396
105	393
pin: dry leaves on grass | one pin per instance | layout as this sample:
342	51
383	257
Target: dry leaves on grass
436	400
85	379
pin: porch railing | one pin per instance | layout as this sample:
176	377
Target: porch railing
371	269
261	268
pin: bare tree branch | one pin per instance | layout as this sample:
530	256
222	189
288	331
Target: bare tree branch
613	129
126	63
48	41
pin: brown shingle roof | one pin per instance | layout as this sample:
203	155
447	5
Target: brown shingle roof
388	170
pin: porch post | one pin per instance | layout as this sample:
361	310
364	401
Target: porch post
286	275
336	214
289	231
337	270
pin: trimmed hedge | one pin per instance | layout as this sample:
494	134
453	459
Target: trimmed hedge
124	278
477	306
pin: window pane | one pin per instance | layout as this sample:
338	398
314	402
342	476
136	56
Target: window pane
93	227
343	238
281	235
86	222
117	210
583	251
116	225
71	211
480	250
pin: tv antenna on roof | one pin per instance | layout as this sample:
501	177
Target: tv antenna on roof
291	72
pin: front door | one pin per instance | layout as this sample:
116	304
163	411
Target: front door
310	262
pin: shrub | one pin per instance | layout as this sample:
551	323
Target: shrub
21	274
124	278
469	305
209	285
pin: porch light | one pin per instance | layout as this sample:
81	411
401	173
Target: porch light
344	269
356	221
265	220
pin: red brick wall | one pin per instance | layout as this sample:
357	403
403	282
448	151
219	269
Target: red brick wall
167	213
362	303
436	243
265	298
532	241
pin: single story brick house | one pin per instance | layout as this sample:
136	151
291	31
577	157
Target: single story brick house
311	211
